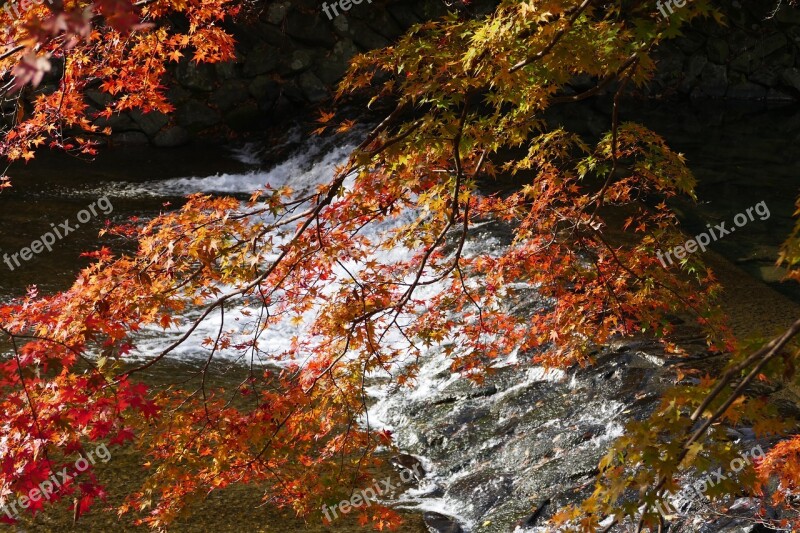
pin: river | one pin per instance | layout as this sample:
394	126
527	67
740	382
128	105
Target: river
500	456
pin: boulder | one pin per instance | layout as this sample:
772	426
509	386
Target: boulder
331	69
769	44
150	123
313	88
277	12
439	523
246	117
791	77
260	60
717	50
191	75
309	29
230	94
264	88
171	137
714	80
196	116
747	91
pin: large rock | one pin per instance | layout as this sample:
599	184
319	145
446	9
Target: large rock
404	16
747	91
246	117
117	122
767	75
150	123
717	50
196	116
694	68
260	60
791	77
313	88
332	68
361	34
171	137
230	94
277	12
264	88
787	14
713	81
770	44
309	29
439	523
129	137
198	77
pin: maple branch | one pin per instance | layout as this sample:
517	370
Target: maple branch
614	147
599	87
10	52
765	354
208	361
554	41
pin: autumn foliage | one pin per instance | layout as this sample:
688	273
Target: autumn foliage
470	94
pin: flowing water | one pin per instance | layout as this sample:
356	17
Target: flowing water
500	456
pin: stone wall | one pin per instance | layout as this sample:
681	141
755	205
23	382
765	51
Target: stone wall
290	56
756	57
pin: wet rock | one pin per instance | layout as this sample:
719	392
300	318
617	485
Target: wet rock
129	137
381	22
264	89
791	76
198	77
117	121
404	16
770	44
309	29
747	91
171	137
195	115
277	12
691	43
364	36
230	94
178	95
261	60
694	68
150	123
99	98
300	60
766	75
778	96
439	523
332	68
744	62
313	88
245	117
787	14
717	50
409	464
713	82
227	70
536	515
